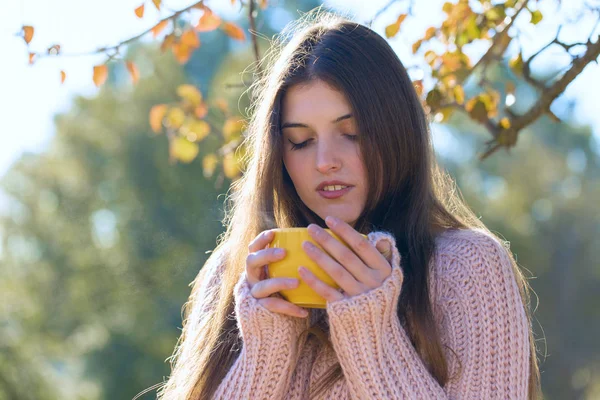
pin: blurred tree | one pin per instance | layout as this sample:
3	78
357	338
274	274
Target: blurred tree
544	201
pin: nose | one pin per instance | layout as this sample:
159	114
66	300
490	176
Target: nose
327	157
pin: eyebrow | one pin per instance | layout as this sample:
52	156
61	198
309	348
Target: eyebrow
299	125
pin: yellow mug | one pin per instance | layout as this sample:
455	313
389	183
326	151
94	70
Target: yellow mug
291	240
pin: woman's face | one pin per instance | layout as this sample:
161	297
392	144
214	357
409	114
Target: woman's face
320	120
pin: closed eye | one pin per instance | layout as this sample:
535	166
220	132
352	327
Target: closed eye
298	146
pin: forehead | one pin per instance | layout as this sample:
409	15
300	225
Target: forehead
315	98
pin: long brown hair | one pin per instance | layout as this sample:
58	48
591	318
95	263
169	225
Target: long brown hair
411	196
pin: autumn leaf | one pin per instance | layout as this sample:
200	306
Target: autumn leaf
31	58
477	110
208	21
233	31
230	166
167	42
190	39
182	52
175	118
183	150
100	74
459	94
517	64
418	84
27	33
63	76
430	33
139	11
157	114
232	128
222	105
133	71
416	45
392	29
505	123
201	110
158	28
536	16
157	4
190	93
263	4
198	130
209	163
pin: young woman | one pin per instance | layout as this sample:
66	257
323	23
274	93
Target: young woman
432	306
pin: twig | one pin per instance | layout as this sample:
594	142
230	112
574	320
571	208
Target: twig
253	36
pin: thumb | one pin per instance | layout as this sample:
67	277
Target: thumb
385	249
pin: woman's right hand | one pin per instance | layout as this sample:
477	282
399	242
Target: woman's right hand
262	288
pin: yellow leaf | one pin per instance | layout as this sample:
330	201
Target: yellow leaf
63	76
416	45
158	28
230	166
157	4
430	32
536	16
198	129
208	21
139	11
182	52
209	162
133	71
392	29
505	123
27	33
232	127
517	64
233	31
263	4
183	150
157	114
100	74
31	58
190	93
190	39
459	94
418	84
175	118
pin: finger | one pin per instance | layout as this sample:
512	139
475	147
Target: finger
268	287
261	241
385	248
257	260
341	263
321	288
357	242
281	306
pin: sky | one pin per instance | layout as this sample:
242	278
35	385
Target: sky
31	95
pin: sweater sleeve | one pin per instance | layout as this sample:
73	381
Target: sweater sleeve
479	315
269	354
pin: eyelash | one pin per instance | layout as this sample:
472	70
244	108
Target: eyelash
298	146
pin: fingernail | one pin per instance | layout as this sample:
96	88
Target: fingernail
278	252
304	313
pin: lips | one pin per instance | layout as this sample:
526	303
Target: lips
328	183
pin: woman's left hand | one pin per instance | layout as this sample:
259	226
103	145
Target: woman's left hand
357	269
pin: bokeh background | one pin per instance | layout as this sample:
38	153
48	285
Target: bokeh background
105	221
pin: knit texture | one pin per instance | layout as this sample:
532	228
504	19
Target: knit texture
477	309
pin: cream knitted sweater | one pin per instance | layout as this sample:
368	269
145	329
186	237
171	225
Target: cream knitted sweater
477	309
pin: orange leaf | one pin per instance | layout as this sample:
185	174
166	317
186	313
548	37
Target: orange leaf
263	4
190	39
139	11
157	114
201	110
63	76
31	58
133	71
27	33
182	52
167	42
234	31
209	21
100	74
157	4
393	29
158	28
